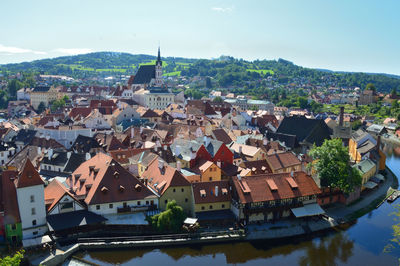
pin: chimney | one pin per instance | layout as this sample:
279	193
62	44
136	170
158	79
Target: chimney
378	143
68	154
47	137
165	147
132	132
178	166
141	129
341	116
219	164
239	177
88	156
39	150
216	191
240	149
265	142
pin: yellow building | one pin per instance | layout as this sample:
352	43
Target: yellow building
45	95
367	169
169	184
209	172
211	196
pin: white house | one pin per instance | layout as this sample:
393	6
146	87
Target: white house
30	197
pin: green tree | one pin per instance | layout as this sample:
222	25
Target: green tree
370	86
208	83
41	107
218	99
356	124
169	220
303	102
59	103
13	86
14	260
332	165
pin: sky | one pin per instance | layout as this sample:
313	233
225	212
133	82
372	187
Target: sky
356	35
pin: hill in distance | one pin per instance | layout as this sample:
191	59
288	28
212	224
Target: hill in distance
226	71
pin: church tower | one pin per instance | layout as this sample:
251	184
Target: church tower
158	69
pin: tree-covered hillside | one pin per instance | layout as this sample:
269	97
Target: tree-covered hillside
225	71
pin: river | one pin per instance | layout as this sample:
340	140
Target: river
362	243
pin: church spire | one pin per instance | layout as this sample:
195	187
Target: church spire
159	57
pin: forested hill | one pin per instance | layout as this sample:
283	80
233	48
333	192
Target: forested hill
226	71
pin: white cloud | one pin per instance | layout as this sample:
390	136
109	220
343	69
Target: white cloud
222	9
73	51
17	50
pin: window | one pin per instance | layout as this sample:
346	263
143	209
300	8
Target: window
32	198
182	190
186	199
33	211
14	227
138	203
210	178
202	207
166	201
223	205
35	233
174	190
34	222
97	207
111	206
211	207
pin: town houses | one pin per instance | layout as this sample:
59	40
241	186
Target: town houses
119	156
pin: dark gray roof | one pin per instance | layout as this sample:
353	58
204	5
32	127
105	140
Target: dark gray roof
57	158
41	89
25	136
62	221
74	162
145	74
290	140
306	130
84	144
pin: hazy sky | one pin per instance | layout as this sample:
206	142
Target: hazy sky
350	35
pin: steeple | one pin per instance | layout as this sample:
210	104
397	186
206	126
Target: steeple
159	57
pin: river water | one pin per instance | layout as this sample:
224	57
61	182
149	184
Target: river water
362	243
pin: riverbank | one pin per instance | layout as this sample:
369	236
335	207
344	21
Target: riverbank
278	230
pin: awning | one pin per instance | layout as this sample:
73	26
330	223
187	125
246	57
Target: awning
36	241
190	221
380	177
370	185
308	210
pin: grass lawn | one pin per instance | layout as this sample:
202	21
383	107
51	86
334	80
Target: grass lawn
261	71
175	73
122	70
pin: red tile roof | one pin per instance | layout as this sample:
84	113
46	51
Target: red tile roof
103	180
9	197
122	156
81	112
262	187
160	179
54	192
282	160
28	176
209	189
